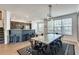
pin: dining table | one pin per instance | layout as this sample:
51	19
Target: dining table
49	38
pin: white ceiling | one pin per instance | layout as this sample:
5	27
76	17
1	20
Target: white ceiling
38	11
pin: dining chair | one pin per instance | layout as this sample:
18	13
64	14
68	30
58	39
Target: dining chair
55	46
46	50
54	49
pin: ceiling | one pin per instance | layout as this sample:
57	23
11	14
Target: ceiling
37	11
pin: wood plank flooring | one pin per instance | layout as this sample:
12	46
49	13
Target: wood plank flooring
11	49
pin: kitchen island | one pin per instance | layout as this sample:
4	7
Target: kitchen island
19	35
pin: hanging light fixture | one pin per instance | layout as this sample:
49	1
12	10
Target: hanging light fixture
49	16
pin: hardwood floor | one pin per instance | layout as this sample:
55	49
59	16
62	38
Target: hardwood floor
11	49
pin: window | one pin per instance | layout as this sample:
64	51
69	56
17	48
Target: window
57	26
50	26
40	27
63	26
67	26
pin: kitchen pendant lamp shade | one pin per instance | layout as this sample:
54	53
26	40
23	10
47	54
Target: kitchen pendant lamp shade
49	16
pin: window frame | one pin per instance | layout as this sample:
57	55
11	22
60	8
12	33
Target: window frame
62	32
53	30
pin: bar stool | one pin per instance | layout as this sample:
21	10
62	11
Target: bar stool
36	35
41	34
14	38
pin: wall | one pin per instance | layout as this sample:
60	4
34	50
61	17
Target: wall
72	37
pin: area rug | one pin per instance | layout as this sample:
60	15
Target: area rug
67	49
